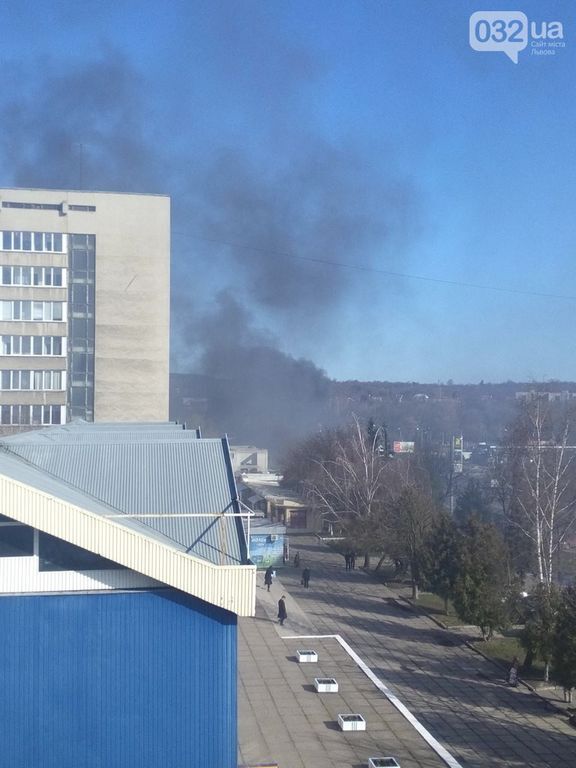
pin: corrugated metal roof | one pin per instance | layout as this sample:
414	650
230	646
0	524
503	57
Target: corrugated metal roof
134	470
77	431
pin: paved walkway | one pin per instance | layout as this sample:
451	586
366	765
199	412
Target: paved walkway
456	694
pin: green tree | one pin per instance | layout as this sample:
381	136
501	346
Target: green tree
440	470
540	626
480	589
440	561
472	503
564	645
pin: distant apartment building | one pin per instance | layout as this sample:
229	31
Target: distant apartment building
84	307
532	395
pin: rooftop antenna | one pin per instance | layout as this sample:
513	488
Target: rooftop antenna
80	165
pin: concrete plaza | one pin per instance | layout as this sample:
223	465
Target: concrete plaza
453	693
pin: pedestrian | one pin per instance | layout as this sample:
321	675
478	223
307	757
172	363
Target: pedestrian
306	577
297	560
513	672
347	558
268	577
282	614
353	560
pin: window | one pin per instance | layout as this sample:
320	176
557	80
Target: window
39	276
35	206
32	414
81	278
16	540
51	242
58	555
45	311
32	380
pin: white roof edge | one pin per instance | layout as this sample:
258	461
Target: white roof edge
231	587
61	190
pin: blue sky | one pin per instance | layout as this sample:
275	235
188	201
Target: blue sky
311	150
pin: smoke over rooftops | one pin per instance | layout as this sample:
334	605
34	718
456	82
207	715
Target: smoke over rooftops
251	226
75	128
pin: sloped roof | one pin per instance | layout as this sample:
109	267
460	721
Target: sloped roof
116	470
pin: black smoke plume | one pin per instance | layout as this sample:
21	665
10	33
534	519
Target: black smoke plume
79	128
256	393
274	223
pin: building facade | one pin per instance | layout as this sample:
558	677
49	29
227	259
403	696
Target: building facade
84	307
123	569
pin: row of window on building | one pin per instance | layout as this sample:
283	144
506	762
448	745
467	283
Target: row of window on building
40	311
60	207
38	346
41	277
33	380
32	415
40	242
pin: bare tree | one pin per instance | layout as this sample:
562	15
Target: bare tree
352	485
541	497
413	517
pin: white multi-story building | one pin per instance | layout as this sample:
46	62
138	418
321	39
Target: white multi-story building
84	307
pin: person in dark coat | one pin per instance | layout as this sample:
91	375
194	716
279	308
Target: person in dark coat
347	557
306	577
296	559
268	577
282	614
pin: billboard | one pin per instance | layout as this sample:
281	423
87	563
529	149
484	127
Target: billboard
458	454
401	446
266	549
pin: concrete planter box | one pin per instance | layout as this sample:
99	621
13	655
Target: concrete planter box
383	762
326	685
306	656
351	722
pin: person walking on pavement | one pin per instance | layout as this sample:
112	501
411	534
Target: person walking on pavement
306	577
268	577
347	558
282	613
513	672
296	559
353	560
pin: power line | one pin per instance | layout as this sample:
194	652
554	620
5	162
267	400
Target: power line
377	270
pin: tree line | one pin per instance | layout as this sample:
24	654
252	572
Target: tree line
394	509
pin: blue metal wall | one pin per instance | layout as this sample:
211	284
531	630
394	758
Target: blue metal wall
117	680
